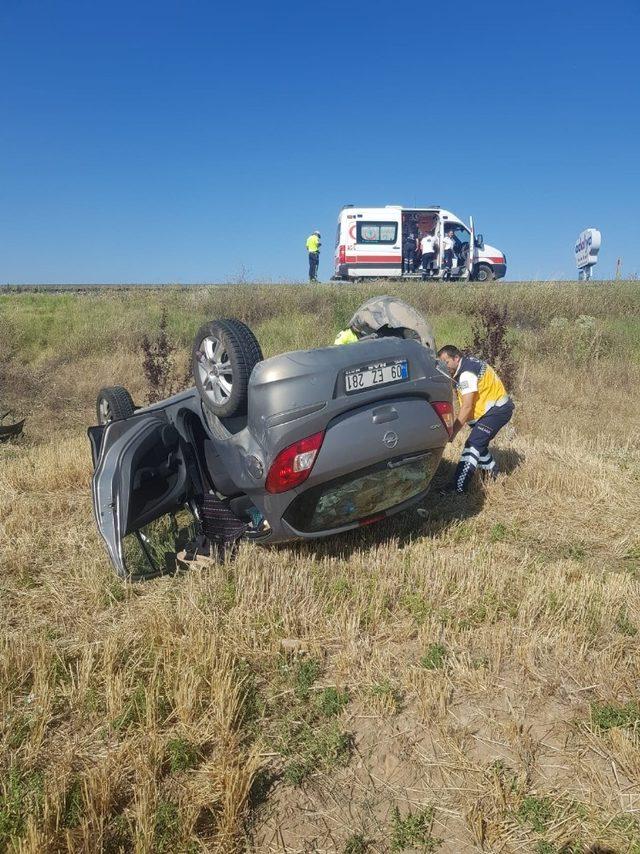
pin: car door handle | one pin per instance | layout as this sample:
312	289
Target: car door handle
395	464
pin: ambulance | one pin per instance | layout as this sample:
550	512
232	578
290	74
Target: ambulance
369	244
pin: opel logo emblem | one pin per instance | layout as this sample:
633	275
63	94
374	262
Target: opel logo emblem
390	439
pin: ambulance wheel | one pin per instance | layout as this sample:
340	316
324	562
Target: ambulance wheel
224	354
113	404
484	273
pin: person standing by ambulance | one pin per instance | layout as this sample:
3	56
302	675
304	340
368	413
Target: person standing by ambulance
447	253
484	405
409	247
428	246
313	248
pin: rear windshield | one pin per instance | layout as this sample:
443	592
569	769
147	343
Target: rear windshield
377	232
360	495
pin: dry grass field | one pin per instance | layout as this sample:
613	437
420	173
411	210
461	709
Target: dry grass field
462	681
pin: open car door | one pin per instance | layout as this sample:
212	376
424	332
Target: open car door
472	249
142	479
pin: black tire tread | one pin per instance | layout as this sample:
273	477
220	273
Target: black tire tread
246	355
490	274
120	402
249	343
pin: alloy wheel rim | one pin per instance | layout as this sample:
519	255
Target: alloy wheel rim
214	369
105	412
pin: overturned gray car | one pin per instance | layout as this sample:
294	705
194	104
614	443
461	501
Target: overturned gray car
303	445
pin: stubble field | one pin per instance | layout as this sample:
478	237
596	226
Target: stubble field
463	681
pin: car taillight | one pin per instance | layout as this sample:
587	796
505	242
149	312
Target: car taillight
342	254
293	465
445	411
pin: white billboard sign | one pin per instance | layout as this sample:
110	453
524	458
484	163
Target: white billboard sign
587	247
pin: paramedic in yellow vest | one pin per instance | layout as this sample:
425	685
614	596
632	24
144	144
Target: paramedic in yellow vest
313	248
347	336
484	405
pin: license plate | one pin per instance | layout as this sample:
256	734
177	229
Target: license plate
374	375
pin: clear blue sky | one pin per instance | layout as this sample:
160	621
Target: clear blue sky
189	141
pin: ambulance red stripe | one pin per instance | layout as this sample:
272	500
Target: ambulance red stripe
372	259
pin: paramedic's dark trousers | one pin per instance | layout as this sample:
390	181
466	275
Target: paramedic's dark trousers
448	260
314	260
427	259
409	255
476	453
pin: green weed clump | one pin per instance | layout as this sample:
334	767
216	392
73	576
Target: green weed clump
315	748
306	673
73	804
21	796
607	716
182	754
413	830
536	811
332	701
435	657
167	827
356	844
304	727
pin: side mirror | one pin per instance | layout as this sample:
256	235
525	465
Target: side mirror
480	241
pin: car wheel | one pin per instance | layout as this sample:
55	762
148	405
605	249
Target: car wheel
484	273
113	404
223	356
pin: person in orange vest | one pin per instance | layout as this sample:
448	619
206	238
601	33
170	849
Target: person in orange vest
313	248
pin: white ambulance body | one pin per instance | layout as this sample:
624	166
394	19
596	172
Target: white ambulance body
369	244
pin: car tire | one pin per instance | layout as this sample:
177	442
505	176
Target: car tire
224	354
484	273
113	404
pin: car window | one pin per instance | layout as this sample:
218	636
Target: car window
152	549
376	232
461	234
356	496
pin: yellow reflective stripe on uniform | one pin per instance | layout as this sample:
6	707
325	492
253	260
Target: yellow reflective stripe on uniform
491	392
313	243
